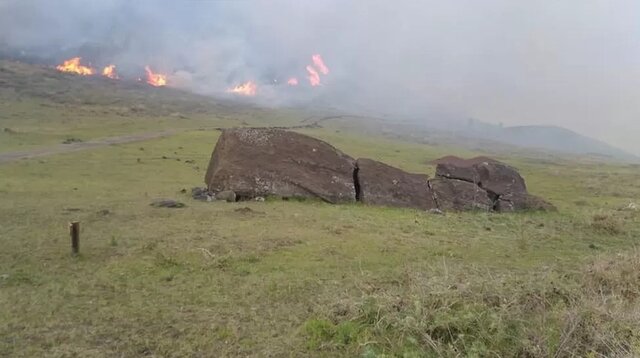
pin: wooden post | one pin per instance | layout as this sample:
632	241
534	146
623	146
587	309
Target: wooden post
74	231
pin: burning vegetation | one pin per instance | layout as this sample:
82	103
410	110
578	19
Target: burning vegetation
155	79
73	66
246	89
315	70
110	72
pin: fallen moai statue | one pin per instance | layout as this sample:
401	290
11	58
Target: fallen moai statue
256	162
504	185
381	184
259	162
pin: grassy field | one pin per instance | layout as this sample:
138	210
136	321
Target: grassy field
296	278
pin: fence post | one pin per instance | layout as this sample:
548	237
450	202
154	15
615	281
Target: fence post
74	231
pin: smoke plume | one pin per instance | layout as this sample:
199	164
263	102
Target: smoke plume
572	63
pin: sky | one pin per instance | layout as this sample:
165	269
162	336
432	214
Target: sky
569	63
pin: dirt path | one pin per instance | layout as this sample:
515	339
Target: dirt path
75	147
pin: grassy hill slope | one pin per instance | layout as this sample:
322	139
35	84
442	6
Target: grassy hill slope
293	278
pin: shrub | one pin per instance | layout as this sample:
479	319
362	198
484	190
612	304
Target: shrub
607	224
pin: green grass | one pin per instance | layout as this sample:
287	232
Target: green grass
305	278
40	107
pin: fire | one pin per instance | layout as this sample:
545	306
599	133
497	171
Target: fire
246	89
73	66
319	63
110	71
314	76
155	79
292	81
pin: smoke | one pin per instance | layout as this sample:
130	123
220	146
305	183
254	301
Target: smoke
571	63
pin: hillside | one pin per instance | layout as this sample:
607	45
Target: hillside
291	278
561	140
538	138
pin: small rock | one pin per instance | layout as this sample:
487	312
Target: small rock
201	194
72	140
167	203
259	198
104	212
228	195
4	276
435	211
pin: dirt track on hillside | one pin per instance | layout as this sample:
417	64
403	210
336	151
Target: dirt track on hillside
75	147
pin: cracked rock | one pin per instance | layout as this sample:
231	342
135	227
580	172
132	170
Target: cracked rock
382	184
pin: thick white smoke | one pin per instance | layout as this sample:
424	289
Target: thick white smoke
572	63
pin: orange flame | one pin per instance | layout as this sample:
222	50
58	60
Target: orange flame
246	89
314	77
319	63
73	66
110	71
292	81
155	79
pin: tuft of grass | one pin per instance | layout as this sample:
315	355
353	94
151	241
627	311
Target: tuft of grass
591	312
607	224
322	332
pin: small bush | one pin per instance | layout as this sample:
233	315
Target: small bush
322	332
607	224
318	331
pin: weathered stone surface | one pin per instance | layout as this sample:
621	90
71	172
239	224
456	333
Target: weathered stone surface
500	179
256	162
227	195
522	202
381	184
460	172
495	177
201	194
459	195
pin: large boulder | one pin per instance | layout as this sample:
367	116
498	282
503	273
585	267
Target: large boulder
459	195
500	179
502	183
495	177
381	184
257	162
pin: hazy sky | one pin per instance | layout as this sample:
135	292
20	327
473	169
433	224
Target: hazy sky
571	63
